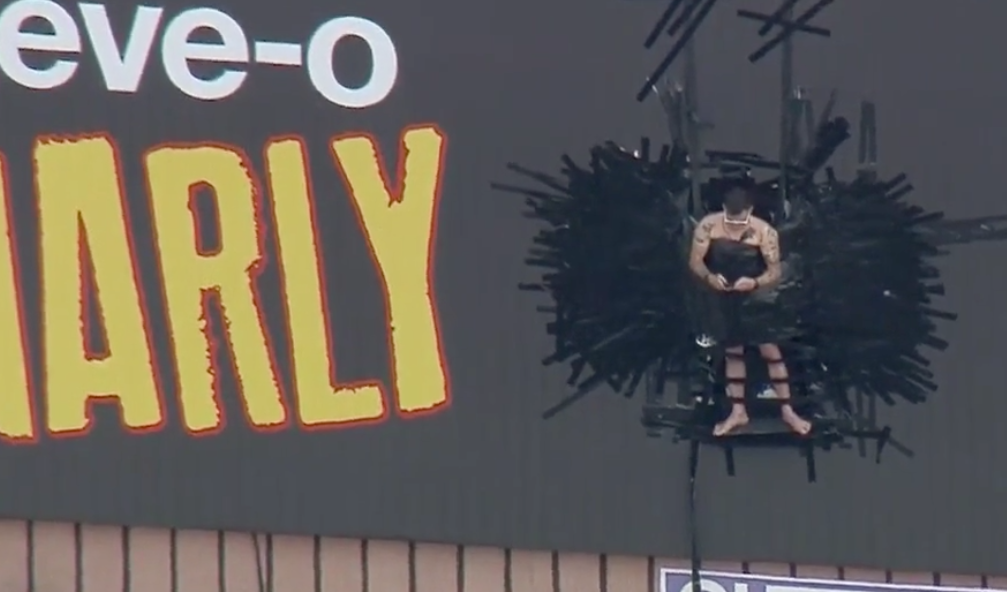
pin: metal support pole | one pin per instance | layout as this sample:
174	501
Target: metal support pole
696	562
786	91
693	131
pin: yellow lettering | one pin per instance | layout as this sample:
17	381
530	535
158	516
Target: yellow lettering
321	400
17	416
83	217
228	275
400	229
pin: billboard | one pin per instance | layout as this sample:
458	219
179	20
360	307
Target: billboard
253	282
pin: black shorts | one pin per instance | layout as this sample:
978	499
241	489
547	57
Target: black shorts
753	318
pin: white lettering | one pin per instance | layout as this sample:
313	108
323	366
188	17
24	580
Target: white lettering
276	53
31	27
177	50
65	38
122	70
384	62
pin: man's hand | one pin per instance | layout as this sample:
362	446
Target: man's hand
745	284
718	282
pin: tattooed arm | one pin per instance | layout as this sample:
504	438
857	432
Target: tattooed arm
700	245
770	247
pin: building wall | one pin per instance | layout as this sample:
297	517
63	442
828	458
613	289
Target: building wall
523	81
66	557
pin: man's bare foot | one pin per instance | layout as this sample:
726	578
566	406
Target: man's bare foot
735	420
795	421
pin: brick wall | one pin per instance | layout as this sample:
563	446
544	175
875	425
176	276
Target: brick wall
50	557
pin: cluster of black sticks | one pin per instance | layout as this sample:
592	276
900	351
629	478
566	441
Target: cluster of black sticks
682	18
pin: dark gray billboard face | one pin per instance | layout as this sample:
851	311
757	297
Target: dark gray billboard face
255	284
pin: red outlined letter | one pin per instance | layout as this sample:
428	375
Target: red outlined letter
17	413
321	400
193	280
400	224
83	217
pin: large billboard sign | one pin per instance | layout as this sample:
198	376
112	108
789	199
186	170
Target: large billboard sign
206	207
253	276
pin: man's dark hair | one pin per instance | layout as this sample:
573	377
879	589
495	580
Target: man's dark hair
737	199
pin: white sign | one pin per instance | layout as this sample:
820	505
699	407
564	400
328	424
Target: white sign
123	66
680	580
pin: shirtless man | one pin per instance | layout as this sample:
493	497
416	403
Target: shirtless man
730	232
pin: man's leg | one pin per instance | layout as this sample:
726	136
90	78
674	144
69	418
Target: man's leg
781	383
734	374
